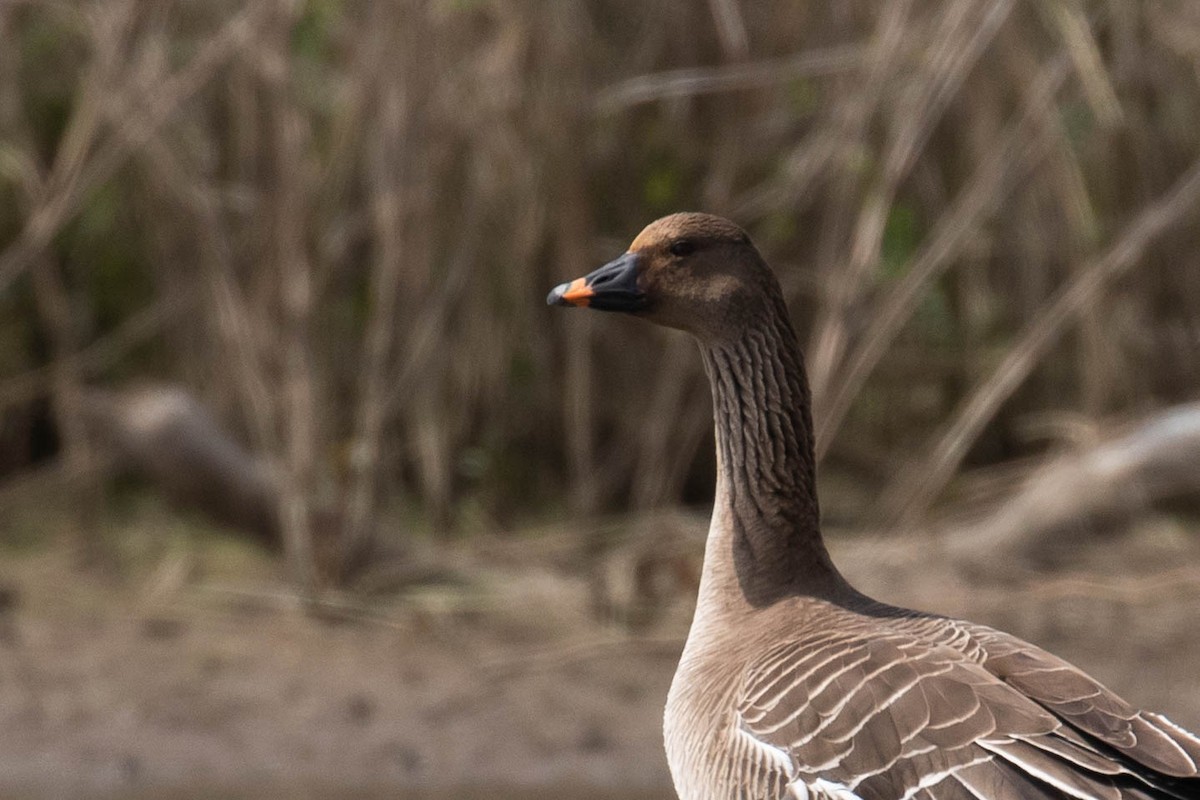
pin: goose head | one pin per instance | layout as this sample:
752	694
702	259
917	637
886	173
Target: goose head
696	272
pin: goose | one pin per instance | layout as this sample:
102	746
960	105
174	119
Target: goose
792	685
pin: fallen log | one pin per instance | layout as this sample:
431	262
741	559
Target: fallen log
166	436
1151	462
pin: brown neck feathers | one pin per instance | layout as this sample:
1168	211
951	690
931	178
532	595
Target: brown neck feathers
766	482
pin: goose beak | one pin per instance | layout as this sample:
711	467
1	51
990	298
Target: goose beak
575	293
613	287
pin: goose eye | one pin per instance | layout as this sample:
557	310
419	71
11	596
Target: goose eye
682	248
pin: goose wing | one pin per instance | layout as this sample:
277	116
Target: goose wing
890	715
1143	738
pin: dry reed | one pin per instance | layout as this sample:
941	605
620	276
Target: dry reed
363	205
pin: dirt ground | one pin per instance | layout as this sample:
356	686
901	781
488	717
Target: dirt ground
195	674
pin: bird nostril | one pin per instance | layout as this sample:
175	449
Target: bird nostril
616	281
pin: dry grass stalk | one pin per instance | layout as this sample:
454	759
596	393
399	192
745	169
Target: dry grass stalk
450	161
1015	152
956	44
387	150
846	135
912	494
98	356
730	78
75	174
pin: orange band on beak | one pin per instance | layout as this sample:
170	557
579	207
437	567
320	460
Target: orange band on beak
578	293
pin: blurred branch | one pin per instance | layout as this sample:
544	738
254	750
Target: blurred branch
291	168
1154	460
910	496
1016	151
100	355
1080	40
556	657
78	176
428	327
1174	584
80	464
834	144
386	149
731	28
665	425
691	82
963	33
243	333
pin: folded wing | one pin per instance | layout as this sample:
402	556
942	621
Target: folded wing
979	715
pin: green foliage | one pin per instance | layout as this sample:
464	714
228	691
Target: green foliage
1078	121
17	346
116	278
901	238
778	228
934	317
804	97
312	36
663	188
51	47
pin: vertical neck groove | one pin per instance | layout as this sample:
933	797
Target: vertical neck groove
766	474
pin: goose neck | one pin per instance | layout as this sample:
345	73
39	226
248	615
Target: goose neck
766	514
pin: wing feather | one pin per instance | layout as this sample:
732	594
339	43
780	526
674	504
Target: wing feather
1053	771
993	780
1082	702
967	717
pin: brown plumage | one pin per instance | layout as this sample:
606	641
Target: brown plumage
794	685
